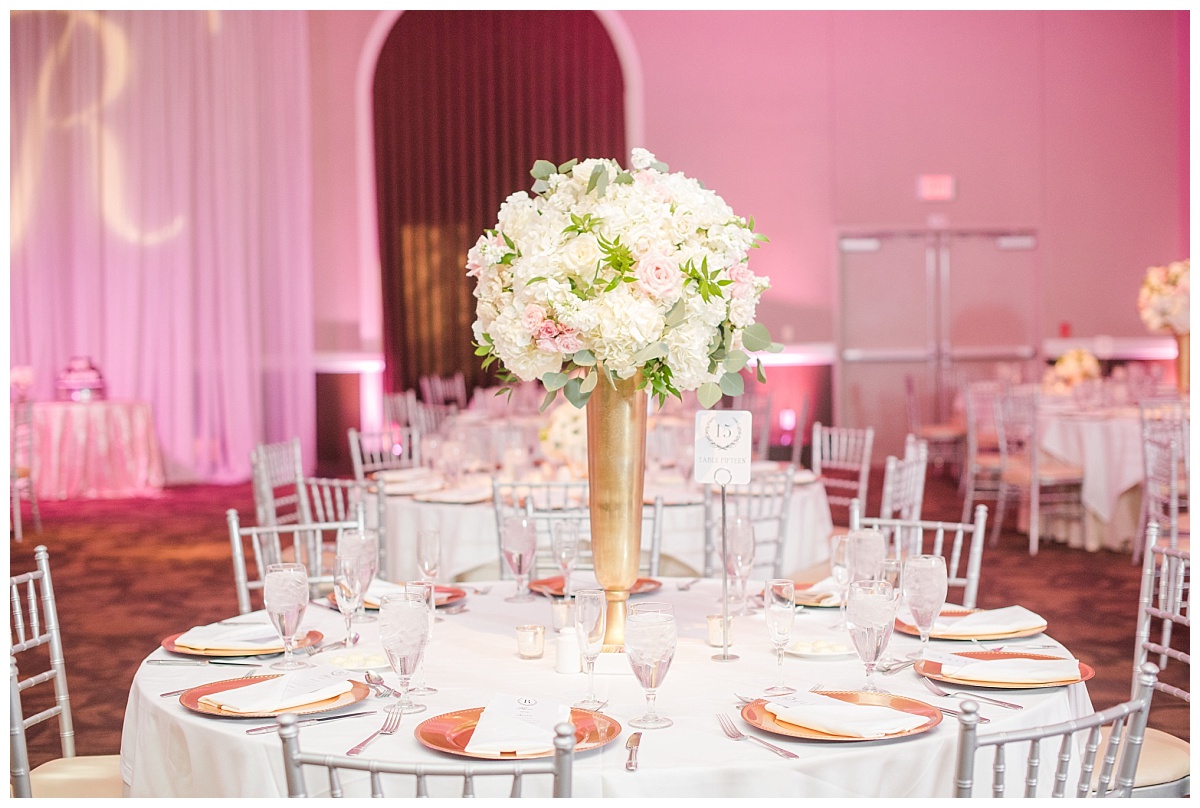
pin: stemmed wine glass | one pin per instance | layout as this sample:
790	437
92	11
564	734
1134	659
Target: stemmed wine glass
285	598
363	543
925	593
591	607
566	550
739	556
870	615
779	607
650	637
429	554
348	589
839	568
429	593
404	632
520	546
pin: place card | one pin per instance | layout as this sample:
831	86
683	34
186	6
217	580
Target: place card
723	442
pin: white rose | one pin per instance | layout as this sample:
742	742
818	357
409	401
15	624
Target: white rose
582	253
642	159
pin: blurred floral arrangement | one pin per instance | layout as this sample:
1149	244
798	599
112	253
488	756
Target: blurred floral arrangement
607	272
1164	300
1073	367
20	379
564	438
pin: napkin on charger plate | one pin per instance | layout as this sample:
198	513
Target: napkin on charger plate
1008	670
836	717
518	725
282	693
377	590
257	637
463	495
422	485
988	621
823	593
403	475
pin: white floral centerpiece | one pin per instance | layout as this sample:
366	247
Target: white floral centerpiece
1164	300
607	271
20	380
564	438
1073	367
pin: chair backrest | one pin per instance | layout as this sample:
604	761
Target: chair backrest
36	648
332	499
1118	759
301	542
277	472
370	452
294	760
399	408
846	452
766	500
1161	488
1016	420
21	448
428	418
979	399
912	403
548	520
1163	605
904	481
920	536
444	390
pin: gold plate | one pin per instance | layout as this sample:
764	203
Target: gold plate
756	715
442	596
553	587
959	611
933	670
311	638
191	698
451	732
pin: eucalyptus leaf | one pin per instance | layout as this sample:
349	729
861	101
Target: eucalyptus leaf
655	350
677	314
732	384
659	165
574	393
708	394
542	169
599	171
554	381
541	186
776	347
602	184
567	166
584	358
762	375
589	382
548	400
624	178
756	337
736	360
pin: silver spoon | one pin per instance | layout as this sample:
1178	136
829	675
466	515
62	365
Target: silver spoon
377	680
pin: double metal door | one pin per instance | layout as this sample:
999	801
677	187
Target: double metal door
943	306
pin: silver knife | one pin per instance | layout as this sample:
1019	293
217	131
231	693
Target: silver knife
203	662
956	713
632	745
307	722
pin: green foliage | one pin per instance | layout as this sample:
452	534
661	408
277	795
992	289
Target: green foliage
708	283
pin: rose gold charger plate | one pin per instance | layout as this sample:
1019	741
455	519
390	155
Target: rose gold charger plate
451	732
756	715
191	698
959	611
553	587
311	638
442	596
933	670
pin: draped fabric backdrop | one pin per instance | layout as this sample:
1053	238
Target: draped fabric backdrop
161	220
464	103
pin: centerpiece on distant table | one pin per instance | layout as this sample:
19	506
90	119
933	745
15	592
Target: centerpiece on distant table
564	438
1073	367
607	285
1164	302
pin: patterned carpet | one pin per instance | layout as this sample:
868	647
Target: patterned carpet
129	572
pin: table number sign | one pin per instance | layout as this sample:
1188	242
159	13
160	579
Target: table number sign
723	442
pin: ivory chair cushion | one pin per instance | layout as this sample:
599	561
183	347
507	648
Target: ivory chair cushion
1164	758
1051	473
80	776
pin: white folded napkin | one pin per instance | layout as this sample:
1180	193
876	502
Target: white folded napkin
421	485
813	594
803	476
258	637
403	475
835	717
1013	670
463	495
520	725
285	692
988	621
377	590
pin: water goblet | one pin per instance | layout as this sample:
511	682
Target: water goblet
892	571
429	593
429	554
779	607
739	557
924	593
839	568
285	598
591	609
364	543
404	632
650	637
870	615
566	550
348	590
519	545
868	549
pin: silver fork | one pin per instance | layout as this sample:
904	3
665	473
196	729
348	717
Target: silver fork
684	586
169	693
937	690
732	732
390	725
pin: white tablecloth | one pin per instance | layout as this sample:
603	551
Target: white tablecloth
169	751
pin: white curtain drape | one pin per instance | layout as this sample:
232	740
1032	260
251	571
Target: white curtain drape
161	221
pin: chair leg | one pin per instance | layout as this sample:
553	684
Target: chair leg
1035	520
33	504
16	513
1001	506
969	477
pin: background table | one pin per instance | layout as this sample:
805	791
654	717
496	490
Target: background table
169	751
96	450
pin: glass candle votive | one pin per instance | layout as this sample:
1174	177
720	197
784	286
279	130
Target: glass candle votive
714	630
531	641
562	613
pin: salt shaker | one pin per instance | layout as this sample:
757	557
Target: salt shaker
566	648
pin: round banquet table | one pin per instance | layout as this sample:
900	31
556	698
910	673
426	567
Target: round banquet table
168	750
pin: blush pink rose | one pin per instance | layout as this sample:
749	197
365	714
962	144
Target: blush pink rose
568	342
743	281
547	330
532	317
548	345
658	276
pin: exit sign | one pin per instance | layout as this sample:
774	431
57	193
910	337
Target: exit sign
935	187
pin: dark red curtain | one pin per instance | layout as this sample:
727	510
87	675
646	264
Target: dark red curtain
465	102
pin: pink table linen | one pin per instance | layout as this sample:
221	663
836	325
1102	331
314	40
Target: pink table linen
96	450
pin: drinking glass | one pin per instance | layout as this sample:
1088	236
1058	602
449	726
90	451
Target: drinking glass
566	550
839	568
520	548
285	598
429	554
892	571
364	543
779	607
925	593
739	556
650	636
591	608
870	615
348	589
868	549
404	632
429	593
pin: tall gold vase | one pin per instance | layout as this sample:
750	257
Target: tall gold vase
1183	362
616	441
